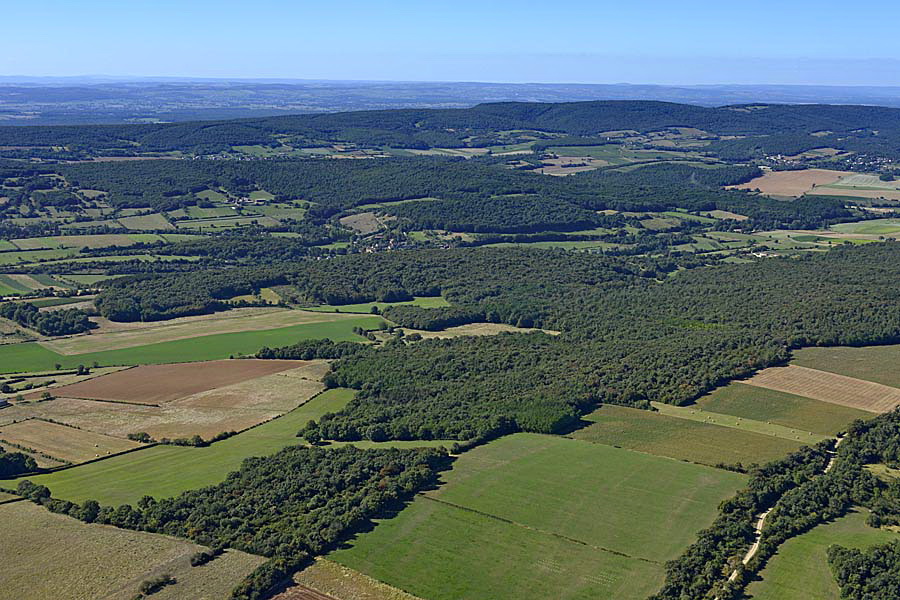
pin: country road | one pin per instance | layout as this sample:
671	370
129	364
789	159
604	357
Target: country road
761	518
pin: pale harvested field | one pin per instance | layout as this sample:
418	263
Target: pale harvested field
725	214
114	336
364	223
31	282
828	387
561	166
59	381
63	442
474	329
792	183
159	384
341	582
874	194
46	556
231	408
42	461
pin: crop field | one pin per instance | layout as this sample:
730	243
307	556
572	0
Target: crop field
151	221
30	256
792	183
872	363
63	442
682	439
163	471
366	307
542	516
828	387
234	407
800	569
338	581
31	356
697	414
874	227
788	410
155	384
49	380
46	555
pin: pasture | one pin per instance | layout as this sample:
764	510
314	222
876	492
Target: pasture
542	516
681	439
871	363
780	408
800	568
873	227
31	356
366	307
46	555
63	442
697	414
828	387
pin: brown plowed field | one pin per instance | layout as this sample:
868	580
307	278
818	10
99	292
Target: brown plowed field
828	387
159	384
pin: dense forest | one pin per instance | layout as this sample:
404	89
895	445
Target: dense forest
870	574
65	321
633	329
15	463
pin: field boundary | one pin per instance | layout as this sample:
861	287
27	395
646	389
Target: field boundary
535	529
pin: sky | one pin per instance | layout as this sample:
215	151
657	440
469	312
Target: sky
575	41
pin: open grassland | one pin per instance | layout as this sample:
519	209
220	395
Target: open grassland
780	408
543	516
113	336
800	569
231	408
366	307
338	581
880	364
792	183
474	329
151	221
96	240
425	549
873	227
828	387
572	488
682	439
32	356
155	384
697	414
30	256
45	555
163	471
63	442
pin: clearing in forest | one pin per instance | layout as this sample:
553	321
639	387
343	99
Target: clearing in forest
828	387
474	329
543	516
45	555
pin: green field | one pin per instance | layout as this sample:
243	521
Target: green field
800	569
873	227
542	516
8	286
31	356
872	363
740	423
788	410
366	307
28	256
683	439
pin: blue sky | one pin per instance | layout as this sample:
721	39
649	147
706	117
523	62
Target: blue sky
674	42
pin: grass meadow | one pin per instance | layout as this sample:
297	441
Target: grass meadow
872	363
542	516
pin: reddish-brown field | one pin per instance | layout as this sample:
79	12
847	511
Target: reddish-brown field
828	387
301	592
159	384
